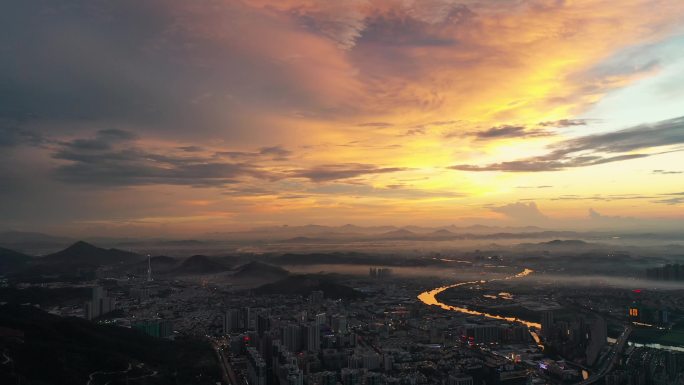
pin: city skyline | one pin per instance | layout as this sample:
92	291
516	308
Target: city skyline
181	118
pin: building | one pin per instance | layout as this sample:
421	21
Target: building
598	333
379	272
547	324
351	376
231	321
257	371
291	336
313	337
460	379
155	328
338	323
99	305
316	297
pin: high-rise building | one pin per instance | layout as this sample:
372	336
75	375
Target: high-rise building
149	268
256	369
231	321
460	379
291	337
547	324
351	376
156	328
320	320
339	323
263	324
598	332
313	337
316	297
99	305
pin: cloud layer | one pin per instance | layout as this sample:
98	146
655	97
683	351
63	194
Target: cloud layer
226	113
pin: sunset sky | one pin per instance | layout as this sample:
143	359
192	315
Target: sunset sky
175	117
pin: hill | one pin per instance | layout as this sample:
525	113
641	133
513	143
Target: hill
560	245
46	349
200	264
569	242
260	271
77	262
442	234
304	284
348	258
11	260
83	253
398	234
303	240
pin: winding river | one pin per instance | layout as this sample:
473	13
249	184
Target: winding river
430	298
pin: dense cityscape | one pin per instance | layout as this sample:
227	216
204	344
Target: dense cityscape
471	317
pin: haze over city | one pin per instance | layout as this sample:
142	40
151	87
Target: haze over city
342	192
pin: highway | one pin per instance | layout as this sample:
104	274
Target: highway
613	356
228	374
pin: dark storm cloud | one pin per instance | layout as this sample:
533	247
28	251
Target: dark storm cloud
411	29
415	131
565	123
137	167
103	140
508	132
643	136
278	153
13	134
671	199
595	149
191	148
666	172
332	172
114	158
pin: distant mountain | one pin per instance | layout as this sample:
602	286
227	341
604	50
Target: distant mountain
182	242
443	233
302	240
82	253
305	284
560	243
260	271
349	258
11	260
398	234
200	264
569	242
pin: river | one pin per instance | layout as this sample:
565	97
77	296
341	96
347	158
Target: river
430	298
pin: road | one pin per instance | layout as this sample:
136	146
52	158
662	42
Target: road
92	375
613	357
228	373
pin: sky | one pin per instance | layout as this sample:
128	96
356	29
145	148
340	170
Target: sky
174	117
